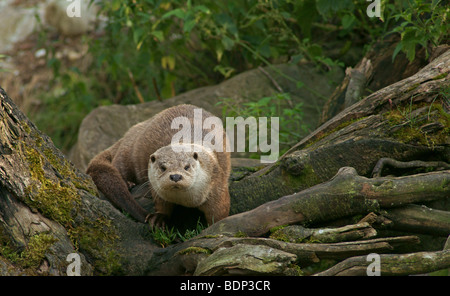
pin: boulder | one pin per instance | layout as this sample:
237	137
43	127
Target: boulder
17	24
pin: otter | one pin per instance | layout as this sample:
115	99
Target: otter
193	175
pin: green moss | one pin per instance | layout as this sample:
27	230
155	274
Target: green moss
407	127
307	178
59	200
67	170
52	198
440	76
31	257
6	250
240	234
98	238
276	228
25	126
296	270
281	236
413	87
278	234
194	250
339	127
36	249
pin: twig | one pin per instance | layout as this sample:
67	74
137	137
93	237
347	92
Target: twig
275	83
138	93
156	90
383	162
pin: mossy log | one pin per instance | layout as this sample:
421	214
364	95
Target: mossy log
346	194
392	264
49	209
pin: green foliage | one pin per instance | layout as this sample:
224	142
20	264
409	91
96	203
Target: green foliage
64	109
291	127
166	236
154	49
422	23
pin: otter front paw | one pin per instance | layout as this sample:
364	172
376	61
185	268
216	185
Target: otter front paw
156	220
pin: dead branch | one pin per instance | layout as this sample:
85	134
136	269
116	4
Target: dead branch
393	264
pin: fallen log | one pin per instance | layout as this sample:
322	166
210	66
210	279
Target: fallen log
346	194
419	219
392	264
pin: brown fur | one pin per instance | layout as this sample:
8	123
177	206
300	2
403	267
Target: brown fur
128	161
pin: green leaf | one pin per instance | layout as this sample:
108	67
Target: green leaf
264	101
299	84
137	34
296	58
202	8
159	35
410	50
397	50
179	13
348	21
315	50
189	25
227	42
409	35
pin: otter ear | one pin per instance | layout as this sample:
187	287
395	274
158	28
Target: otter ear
195	155
152	158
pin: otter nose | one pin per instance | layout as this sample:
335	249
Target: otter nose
176	177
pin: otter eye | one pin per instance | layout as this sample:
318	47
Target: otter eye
163	168
187	167
195	155
153	158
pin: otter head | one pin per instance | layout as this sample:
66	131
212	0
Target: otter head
179	174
